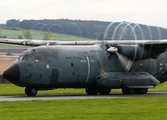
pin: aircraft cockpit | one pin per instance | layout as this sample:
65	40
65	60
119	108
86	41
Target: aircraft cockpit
30	58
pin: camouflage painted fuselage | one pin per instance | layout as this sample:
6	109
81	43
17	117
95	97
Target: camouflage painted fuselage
60	66
71	66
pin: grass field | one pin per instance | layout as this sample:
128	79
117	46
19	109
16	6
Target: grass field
134	108
10	46
146	108
39	35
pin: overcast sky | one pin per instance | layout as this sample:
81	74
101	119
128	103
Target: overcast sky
149	12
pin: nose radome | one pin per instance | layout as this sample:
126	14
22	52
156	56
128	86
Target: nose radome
12	73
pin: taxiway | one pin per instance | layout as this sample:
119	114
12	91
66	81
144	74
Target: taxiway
68	97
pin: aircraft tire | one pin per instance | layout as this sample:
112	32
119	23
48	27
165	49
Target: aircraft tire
30	91
104	91
126	90
91	91
141	91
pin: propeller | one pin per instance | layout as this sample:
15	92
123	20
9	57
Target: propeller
47	36
26	33
124	64
124	61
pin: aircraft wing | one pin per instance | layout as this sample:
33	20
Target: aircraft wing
26	42
90	42
140	49
45	42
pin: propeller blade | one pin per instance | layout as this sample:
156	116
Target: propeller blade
47	36
124	61
26	33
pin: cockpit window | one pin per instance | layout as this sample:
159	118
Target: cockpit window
23	57
38	58
20	57
30	58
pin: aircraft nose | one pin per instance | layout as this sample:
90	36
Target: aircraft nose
12	73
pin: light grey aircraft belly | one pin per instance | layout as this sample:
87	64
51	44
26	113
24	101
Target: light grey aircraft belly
97	66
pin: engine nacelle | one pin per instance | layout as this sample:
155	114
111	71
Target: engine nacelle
139	52
131	80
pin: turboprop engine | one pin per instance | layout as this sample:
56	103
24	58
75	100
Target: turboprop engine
137	52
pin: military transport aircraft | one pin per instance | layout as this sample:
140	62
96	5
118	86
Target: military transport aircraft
98	66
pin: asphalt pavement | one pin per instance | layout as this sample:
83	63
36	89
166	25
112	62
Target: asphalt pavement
69	97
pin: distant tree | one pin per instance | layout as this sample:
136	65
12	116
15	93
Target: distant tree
12	23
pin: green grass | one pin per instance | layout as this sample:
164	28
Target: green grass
10	89
146	108
39	35
10	46
135	108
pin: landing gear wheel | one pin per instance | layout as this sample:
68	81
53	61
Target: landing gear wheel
91	91
104	91
126	90
141	91
30	91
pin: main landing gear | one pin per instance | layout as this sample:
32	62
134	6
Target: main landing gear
126	90
95	91
106	91
30	91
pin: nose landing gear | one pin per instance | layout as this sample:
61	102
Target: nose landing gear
30	91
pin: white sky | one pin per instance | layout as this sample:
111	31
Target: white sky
149	12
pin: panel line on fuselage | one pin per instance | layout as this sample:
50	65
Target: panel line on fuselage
88	69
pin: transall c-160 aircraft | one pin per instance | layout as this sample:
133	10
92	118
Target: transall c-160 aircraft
98	66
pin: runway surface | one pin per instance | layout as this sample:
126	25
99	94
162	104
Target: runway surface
12	50
68	97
